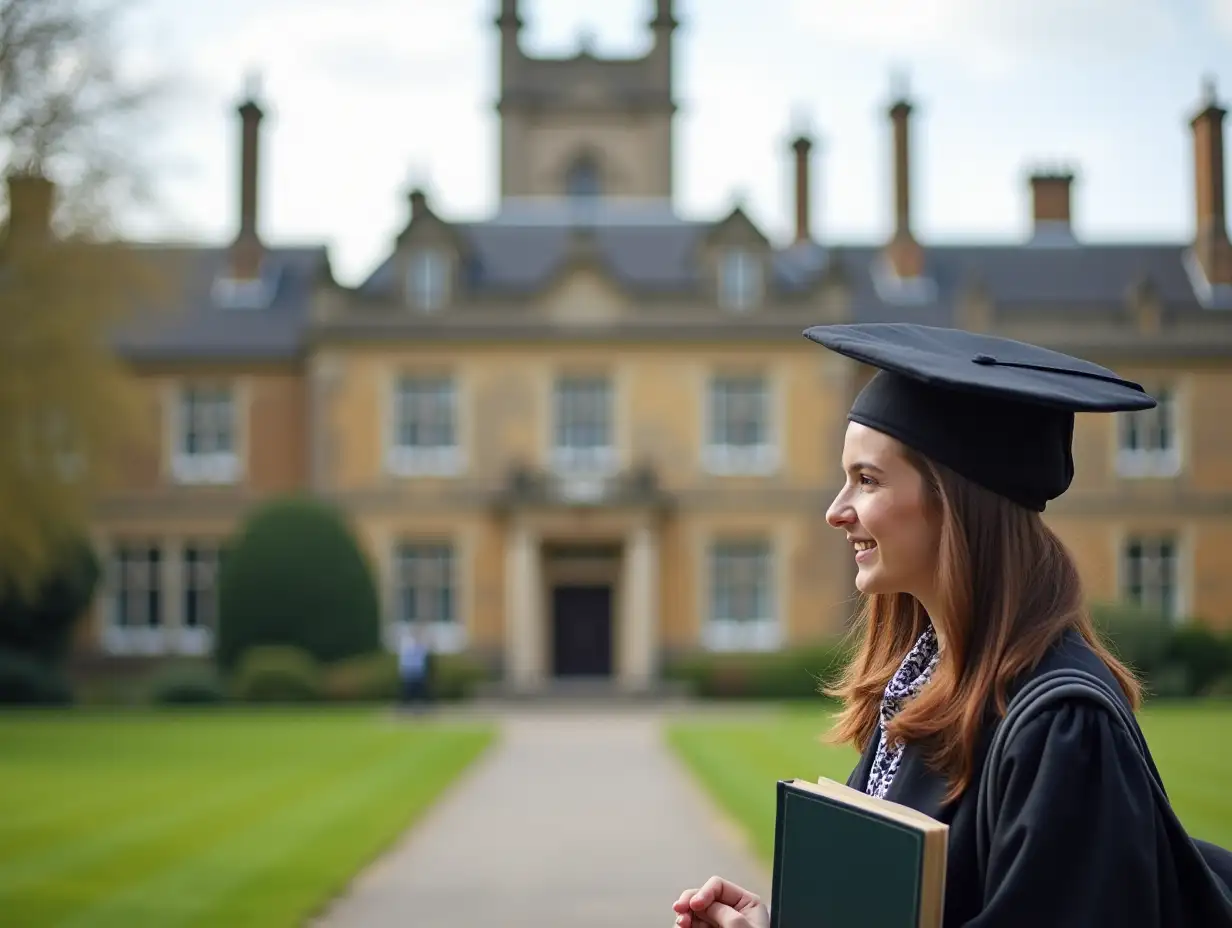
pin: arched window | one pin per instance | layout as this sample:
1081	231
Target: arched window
582	178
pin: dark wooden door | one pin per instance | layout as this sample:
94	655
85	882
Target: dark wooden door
582	631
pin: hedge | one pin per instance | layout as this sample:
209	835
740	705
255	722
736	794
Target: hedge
1186	660
296	577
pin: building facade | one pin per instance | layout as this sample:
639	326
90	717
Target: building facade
584	432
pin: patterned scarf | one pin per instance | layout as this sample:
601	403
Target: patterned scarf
915	671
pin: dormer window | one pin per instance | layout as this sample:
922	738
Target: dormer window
427	279
230	291
740	279
582	179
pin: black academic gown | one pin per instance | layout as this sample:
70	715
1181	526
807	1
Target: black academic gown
1079	840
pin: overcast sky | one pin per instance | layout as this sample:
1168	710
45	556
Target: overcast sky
364	95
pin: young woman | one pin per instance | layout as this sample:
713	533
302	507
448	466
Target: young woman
952	451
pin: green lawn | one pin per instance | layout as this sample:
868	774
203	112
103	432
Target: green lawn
207	818
738	761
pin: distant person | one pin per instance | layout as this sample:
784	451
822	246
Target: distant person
951	453
413	668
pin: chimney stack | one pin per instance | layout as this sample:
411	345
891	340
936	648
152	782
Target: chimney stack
802	146
247	250
905	254
1211	245
419	203
31	198
1050	203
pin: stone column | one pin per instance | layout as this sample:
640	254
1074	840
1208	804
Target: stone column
322	385
171	581
523	622
640	622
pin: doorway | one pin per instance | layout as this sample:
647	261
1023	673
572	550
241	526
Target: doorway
582	630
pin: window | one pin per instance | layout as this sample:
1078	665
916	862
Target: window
583	430
136	599
738	419
740	280
205	449
1149	572
425	591
742	607
240	293
427	279
199	573
582	178
1148	444
425	427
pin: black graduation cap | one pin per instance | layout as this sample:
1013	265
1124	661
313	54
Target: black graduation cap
998	411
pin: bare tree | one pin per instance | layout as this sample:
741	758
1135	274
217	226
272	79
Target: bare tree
69	145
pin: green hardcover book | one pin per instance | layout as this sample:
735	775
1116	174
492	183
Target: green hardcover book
844	859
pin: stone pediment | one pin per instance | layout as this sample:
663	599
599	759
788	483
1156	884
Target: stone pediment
583	295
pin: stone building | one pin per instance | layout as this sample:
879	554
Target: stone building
584	431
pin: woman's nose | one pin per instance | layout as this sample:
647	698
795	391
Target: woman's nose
839	513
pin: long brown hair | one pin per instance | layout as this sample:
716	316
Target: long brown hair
1009	589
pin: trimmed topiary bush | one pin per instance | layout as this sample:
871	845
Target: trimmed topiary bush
456	676
797	672
277	674
1139	637
25	680
1205	654
188	684
365	678
296	576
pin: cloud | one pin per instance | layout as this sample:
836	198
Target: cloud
1221	14
993	39
383	46
358	97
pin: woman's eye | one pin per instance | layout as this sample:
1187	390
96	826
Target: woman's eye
866	480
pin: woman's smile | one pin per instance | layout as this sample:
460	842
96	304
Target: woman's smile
865	549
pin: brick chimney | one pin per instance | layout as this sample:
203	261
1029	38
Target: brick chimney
802	146
1211	245
31	198
419	203
905	254
246	253
1050	203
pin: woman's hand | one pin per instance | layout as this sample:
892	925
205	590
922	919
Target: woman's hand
722	905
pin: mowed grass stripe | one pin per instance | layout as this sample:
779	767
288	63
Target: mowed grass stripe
199	886
145	834
737	762
279	808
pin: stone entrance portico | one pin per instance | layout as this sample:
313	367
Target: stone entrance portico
557	543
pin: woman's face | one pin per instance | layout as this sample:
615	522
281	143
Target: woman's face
884	510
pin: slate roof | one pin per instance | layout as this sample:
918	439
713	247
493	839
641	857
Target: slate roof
195	325
651	252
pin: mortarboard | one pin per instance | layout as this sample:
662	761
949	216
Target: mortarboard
997	411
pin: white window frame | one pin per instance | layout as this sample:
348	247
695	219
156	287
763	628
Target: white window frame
135	578
573	453
218	462
443	634
1148	441
741	279
1153	573
199	579
423	460
720	454
428	279
761	631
